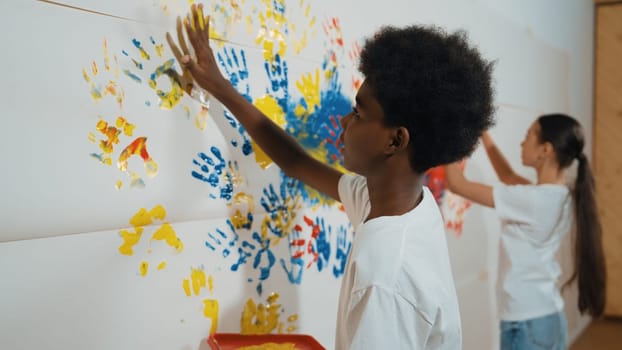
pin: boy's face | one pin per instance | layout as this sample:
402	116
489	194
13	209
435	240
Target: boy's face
364	135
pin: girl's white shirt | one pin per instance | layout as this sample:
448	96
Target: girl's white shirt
534	219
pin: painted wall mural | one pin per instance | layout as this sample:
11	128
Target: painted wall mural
280	232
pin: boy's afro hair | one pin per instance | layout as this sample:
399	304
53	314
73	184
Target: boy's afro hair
435	85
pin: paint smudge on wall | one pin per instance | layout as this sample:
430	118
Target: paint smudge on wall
111	134
258	318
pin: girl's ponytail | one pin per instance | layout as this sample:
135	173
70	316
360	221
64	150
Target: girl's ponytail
566	136
589	259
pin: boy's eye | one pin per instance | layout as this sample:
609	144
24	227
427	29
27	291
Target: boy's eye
355	111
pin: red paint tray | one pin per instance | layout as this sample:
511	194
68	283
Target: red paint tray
231	341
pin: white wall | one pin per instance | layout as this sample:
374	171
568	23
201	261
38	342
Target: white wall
65	284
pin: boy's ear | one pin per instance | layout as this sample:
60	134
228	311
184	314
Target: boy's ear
400	137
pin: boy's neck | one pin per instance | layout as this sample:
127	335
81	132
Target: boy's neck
394	195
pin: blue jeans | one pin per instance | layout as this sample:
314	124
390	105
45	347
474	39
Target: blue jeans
542	333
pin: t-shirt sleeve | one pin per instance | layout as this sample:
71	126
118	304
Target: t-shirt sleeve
515	203
380	319
354	197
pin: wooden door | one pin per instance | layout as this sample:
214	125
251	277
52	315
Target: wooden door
608	143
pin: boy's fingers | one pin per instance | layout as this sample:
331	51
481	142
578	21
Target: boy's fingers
200	17
181	39
173	47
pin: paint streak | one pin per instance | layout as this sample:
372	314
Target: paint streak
210	311
264	318
144	268
138	147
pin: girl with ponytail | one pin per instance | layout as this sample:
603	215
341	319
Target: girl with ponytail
535	218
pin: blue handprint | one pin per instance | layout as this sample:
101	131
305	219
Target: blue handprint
211	171
264	260
320	247
342	251
296	253
226	242
276	71
281	209
223	240
236	71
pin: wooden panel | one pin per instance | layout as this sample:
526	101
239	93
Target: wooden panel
608	144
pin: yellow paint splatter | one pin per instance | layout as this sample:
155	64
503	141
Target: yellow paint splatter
118	184
167	234
122	123
144	268
262	319
130	239
210	311
261	158
162	265
144	217
271	108
238	219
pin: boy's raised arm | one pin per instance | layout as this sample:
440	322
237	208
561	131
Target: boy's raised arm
274	141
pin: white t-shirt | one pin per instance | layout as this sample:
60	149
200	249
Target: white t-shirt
397	291
534	218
